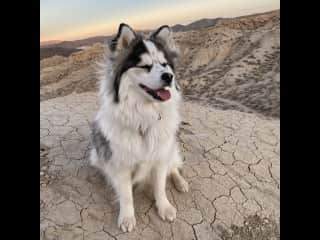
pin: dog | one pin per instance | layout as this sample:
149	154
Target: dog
134	131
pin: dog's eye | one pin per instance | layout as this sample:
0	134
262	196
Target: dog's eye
164	64
148	67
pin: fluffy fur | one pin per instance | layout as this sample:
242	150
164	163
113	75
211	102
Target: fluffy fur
134	133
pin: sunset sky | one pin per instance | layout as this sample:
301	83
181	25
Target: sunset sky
76	19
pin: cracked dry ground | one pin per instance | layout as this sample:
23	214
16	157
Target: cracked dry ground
231	164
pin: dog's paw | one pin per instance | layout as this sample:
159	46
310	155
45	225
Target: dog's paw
181	184
126	223
167	212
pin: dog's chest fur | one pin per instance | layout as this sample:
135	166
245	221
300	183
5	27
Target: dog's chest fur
140	133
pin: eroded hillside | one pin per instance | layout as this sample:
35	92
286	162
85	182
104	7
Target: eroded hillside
232	65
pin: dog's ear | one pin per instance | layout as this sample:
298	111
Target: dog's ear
164	36
123	38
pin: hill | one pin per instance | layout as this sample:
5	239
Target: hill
234	64
78	43
59	51
202	23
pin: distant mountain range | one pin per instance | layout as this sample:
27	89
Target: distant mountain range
202	23
76	43
51	42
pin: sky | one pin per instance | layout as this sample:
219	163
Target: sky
77	19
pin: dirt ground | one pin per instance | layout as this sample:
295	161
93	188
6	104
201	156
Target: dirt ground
231	164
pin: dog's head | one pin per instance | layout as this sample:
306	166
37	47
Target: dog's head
144	65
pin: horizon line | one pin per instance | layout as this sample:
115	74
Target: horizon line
57	41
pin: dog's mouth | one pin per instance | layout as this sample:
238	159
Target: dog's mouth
161	94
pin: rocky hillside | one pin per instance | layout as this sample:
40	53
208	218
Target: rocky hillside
60	76
59	51
234	64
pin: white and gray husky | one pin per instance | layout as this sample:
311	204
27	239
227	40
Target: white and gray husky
134	132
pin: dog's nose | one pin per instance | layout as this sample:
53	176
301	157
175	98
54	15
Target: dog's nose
167	78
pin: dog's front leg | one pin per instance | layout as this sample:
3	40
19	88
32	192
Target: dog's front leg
123	187
165	210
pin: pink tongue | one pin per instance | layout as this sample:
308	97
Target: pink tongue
163	94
